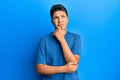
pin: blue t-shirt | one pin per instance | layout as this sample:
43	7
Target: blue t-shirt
50	53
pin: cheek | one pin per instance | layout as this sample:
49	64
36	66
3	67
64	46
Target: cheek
54	22
66	20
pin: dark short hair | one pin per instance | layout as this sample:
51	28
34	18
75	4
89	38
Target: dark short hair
57	7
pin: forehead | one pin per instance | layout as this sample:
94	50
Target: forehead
59	13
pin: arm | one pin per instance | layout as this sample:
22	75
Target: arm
47	69
68	55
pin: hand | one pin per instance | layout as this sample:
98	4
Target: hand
71	67
59	33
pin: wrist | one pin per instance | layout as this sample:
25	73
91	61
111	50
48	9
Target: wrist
63	69
62	39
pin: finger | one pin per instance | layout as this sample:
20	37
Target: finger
71	63
59	28
75	66
75	62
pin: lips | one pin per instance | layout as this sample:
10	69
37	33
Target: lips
60	24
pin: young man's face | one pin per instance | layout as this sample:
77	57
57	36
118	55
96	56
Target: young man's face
60	19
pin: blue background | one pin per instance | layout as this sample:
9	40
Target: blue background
24	22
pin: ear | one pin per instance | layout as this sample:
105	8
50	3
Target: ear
52	22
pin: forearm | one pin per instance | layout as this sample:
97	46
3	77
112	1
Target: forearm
46	69
68	55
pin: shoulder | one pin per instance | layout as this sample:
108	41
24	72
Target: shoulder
75	35
45	37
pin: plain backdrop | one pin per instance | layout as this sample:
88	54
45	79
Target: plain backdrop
24	22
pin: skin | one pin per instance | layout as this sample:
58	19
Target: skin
60	20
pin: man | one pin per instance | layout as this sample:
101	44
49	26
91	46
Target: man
59	52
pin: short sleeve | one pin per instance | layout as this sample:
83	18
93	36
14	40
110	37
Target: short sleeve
41	56
76	48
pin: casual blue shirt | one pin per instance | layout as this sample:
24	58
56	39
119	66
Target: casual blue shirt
50	53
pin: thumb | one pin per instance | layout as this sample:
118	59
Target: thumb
75	63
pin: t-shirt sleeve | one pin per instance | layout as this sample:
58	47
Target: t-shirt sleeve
41	56
76	49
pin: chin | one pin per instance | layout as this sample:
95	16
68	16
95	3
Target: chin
63	28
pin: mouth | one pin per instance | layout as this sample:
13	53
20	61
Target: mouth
60	25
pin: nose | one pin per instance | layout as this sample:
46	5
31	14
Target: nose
59	20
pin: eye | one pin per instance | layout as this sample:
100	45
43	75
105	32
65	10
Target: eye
63	16
55	17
